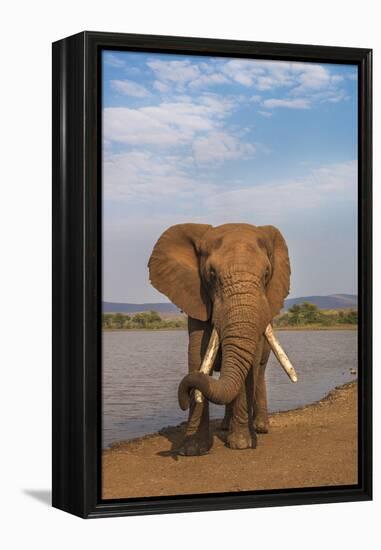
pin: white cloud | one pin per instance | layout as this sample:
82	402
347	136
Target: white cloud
287	103
134	127
337	78
167	124
315	82
319	84
113	61
309	76
266	114
262	75
332	95
208	80
187	114
161	86
281	199
129	87
243	71
140	176
218	147
177	72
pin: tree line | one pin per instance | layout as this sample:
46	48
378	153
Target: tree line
309	314
144	320
299	315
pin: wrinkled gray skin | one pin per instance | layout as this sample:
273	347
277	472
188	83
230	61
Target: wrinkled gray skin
233	277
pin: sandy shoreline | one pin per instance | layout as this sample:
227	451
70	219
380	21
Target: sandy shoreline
312	446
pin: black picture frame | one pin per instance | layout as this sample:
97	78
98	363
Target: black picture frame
77	273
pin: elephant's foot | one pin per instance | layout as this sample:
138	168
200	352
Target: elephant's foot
241	438
261	422
195	445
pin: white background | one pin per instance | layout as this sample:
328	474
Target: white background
27	30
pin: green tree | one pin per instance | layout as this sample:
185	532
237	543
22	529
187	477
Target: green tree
310	313
295	314
153	317
348	317
107	320
119	319
143	320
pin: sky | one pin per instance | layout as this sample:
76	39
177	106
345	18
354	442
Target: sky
218	140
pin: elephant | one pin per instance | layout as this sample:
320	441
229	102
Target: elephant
231	281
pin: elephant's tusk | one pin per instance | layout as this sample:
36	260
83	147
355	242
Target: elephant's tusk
208	361
212	350
280	354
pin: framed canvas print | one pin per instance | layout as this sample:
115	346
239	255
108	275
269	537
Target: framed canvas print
211	274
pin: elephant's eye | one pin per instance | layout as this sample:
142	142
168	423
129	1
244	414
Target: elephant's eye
266	276
212	274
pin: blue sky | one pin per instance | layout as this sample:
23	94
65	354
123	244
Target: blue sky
218	140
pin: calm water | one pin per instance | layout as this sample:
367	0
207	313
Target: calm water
142	370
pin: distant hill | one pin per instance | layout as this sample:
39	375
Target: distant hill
334	301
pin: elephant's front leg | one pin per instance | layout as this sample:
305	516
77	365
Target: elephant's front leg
261	419
198	439
241	433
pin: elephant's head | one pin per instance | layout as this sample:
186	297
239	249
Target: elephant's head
236	276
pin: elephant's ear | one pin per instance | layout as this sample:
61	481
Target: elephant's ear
279	285
174	269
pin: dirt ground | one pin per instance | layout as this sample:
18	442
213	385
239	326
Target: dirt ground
308	447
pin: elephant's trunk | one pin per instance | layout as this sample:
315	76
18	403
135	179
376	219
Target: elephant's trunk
242	324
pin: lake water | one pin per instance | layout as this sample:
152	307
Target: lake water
142	370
